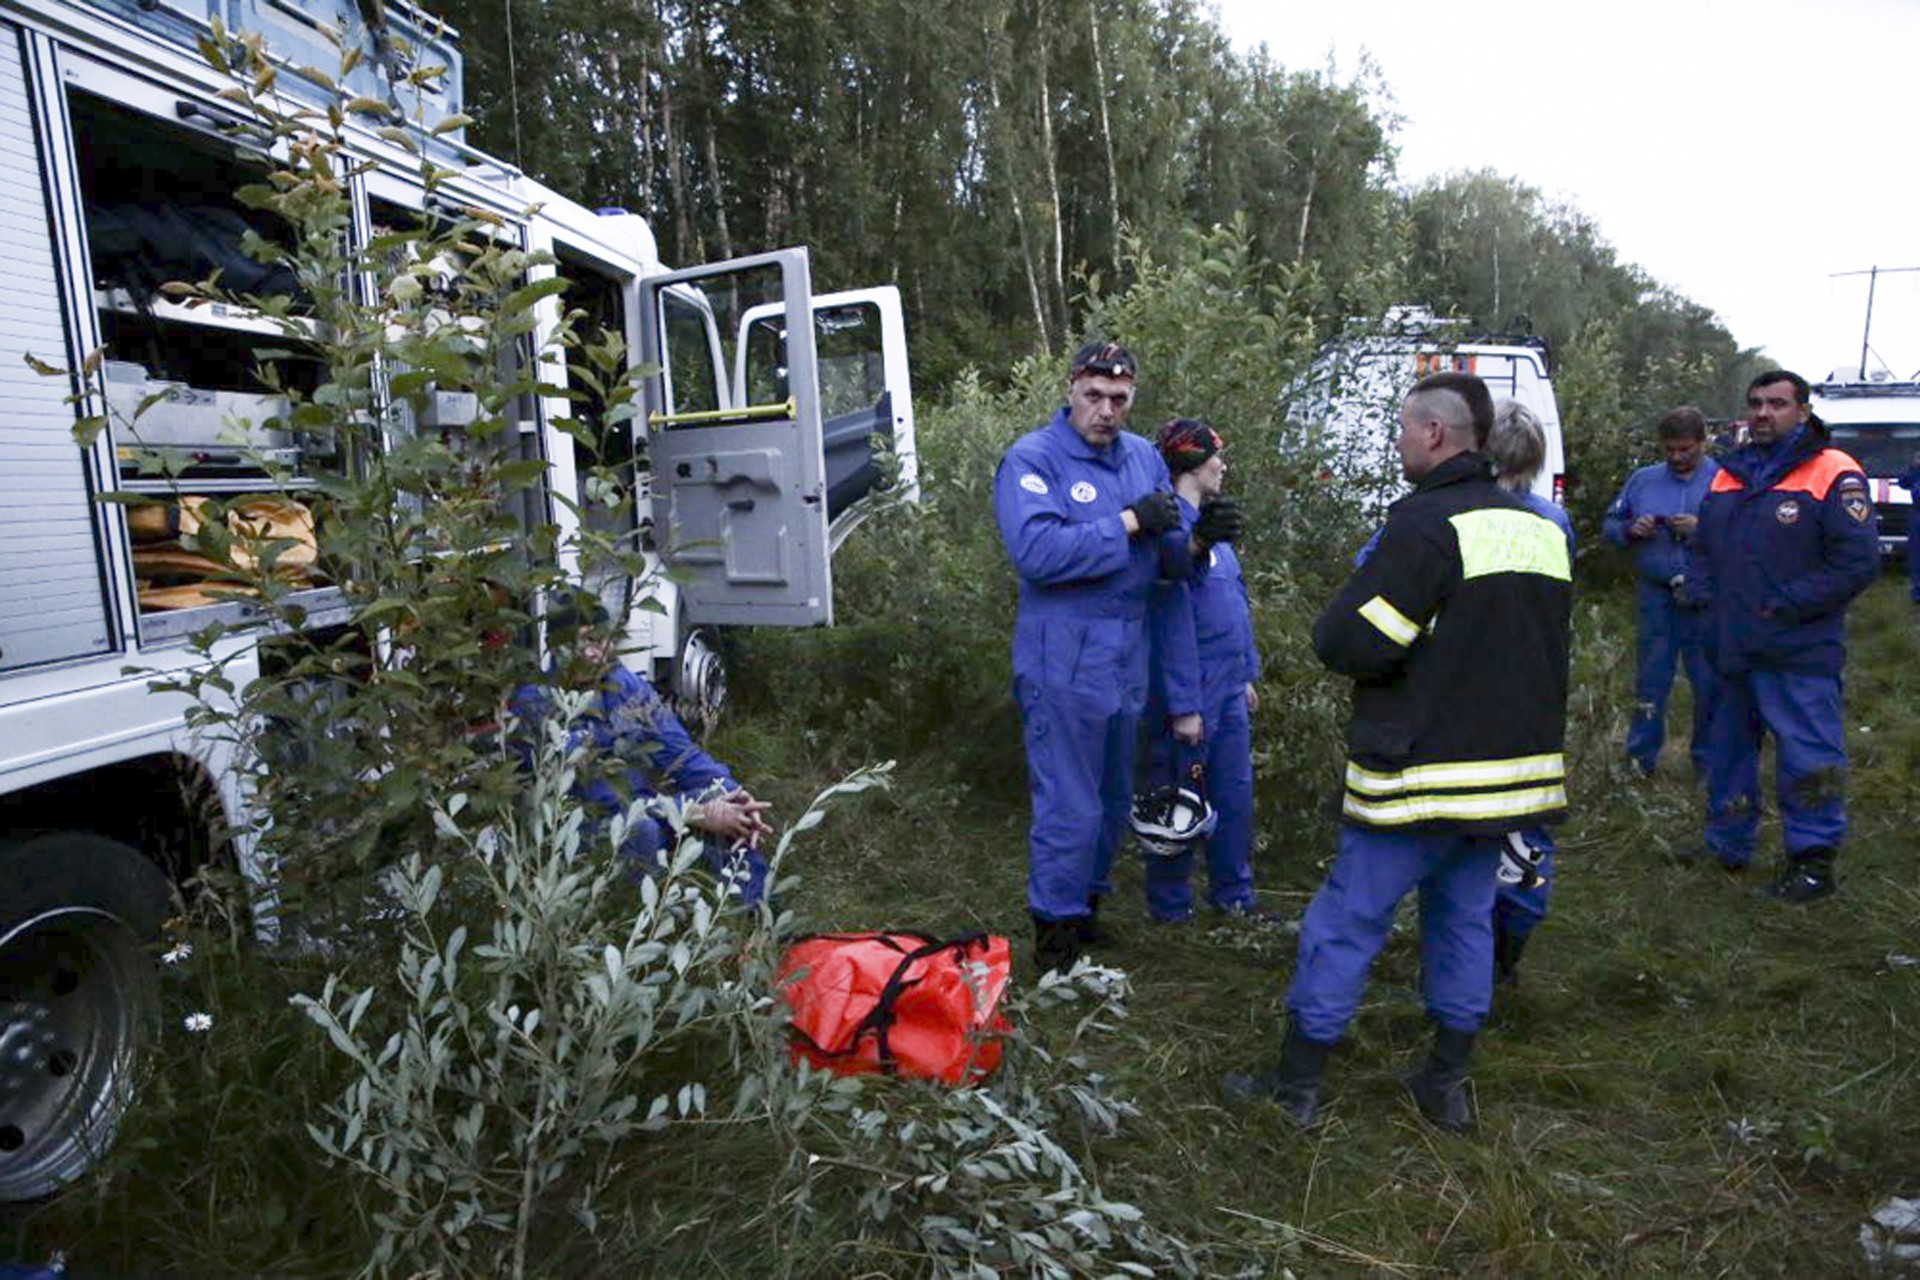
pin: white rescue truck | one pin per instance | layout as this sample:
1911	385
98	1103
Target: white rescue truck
1876	419
1351	393
116	174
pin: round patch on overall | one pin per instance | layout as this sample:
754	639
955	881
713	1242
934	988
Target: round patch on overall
1787	512
1033	484
1083	492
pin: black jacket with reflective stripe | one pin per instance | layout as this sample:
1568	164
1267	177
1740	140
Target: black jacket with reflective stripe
1455	632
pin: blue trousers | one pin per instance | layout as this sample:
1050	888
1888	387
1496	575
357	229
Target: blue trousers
1802	712
1228	756
1669	636
1518	912
645	853
1348	921
1080	775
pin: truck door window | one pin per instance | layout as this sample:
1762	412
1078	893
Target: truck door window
693	379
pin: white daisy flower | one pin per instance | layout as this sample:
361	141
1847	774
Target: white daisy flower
179	953
198	1022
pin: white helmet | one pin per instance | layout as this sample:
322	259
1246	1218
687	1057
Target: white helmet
1520	861
1168	820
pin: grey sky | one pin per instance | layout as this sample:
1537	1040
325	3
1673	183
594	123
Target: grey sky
1738	152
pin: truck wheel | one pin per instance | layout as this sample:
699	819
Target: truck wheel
79	1001
699	680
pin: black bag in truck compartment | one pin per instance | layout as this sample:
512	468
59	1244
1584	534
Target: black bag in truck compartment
141	246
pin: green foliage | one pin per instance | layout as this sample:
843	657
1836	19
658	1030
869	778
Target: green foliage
924	598
493	1085
982	1181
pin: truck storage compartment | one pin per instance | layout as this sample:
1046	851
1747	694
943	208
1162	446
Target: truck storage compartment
224	477
195	417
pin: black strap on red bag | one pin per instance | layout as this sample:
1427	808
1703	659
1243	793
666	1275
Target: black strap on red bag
879	1019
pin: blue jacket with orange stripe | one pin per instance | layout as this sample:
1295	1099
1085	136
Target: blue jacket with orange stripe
1787	539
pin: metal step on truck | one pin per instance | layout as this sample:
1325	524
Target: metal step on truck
767	410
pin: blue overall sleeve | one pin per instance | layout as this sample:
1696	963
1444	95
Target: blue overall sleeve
641	725
1379	614
1849	553
1046	548
1176	650
1619	516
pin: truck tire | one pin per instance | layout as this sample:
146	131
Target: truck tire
699	683
79	1001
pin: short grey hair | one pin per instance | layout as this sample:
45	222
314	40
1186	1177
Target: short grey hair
1517	445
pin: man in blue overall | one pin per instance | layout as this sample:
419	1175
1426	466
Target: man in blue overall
1655	517
640	751
1787	539
1229	664
1088	517
1455	634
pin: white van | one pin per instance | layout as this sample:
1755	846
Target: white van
1876	419
1349	399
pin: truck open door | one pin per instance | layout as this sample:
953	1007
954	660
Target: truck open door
738	490
866	397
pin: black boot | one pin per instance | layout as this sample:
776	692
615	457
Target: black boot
1506	956
1056	944
1091	934
1294	1084
1806	876
1439	1087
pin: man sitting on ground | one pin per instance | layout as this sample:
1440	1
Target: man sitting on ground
643	752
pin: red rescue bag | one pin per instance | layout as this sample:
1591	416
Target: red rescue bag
898	1002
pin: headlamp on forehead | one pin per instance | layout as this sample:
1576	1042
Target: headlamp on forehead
1101	360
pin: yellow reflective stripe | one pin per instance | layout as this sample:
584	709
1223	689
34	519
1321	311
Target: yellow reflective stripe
1501	804
1497	540
1471	773
1393	624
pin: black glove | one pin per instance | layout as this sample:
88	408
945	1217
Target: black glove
1157	513
1220	520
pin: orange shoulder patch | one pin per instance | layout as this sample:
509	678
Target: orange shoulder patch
1816	476
1724	481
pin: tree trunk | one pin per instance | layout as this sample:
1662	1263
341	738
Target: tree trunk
719	196
711	150
1306	210
1000	131
684	248
1053	181
1106	127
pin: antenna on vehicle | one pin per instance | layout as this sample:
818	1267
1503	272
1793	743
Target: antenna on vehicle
1873	275
513	85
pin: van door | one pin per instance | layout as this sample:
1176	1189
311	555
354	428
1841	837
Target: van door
52	597
739	490
866	398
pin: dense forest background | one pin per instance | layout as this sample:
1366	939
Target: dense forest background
996	160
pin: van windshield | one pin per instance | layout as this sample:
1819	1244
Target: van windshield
1882	449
